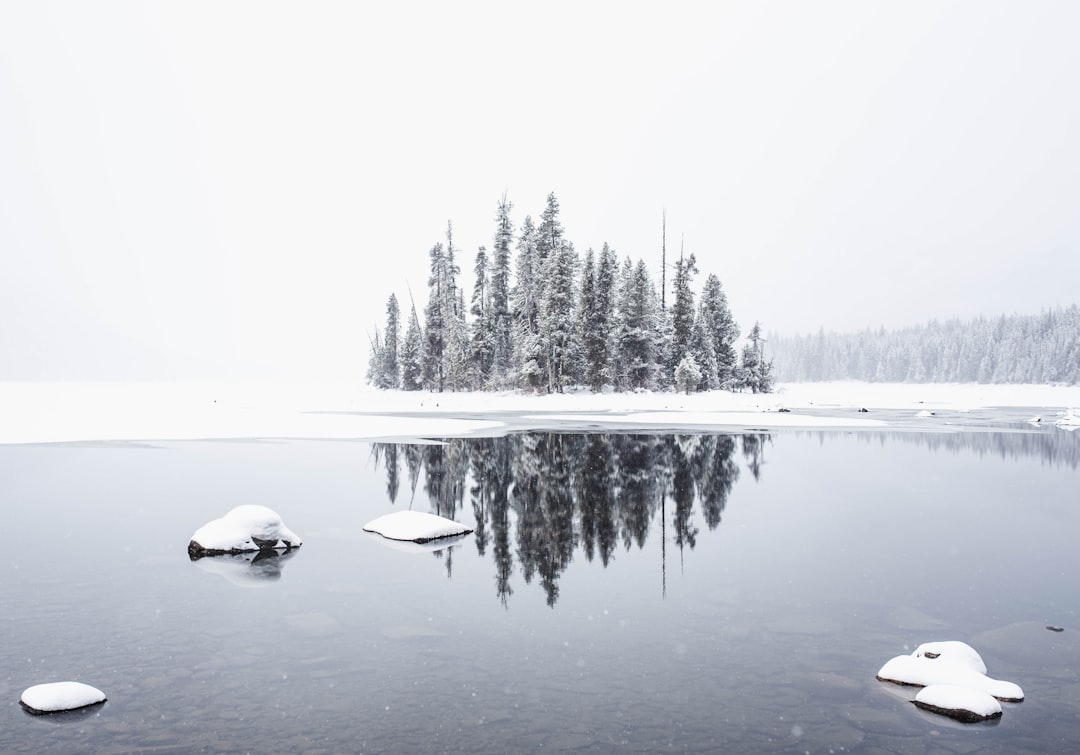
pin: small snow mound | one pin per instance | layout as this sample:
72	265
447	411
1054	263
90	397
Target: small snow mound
244	529
962	703
925	413
416	526
59	696
952	651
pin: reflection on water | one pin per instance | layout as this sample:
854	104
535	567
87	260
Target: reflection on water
539	497
253	569
704	593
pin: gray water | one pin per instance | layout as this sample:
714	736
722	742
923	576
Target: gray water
642	593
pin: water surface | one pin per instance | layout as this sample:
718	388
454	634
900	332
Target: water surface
701	592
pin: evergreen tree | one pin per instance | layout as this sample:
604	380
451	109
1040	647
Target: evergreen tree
688	375
481	346
755	371
722	330
390	370
588	367
412	355
682	310
637	328
557	327
499	318
435	322
704	354
525	303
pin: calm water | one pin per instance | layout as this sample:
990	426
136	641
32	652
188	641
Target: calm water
720	593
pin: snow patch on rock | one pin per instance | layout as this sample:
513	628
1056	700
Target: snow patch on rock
417	526
954	678
242	530
962	703
59	696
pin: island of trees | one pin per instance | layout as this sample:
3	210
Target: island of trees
557	322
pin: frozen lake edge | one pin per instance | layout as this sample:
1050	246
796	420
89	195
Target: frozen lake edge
103	412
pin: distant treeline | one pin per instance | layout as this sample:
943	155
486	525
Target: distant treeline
550	320
1042	348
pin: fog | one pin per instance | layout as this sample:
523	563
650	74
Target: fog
198	190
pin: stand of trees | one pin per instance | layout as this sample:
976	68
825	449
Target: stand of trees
1042	348
558	321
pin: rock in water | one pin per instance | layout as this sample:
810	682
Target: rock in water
242	530
60	696
415	526
962	703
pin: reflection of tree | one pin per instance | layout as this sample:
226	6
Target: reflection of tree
387	454
682	489
537	496
716	472
753	449
596	498
637	496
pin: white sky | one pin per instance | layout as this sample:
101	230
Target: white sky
227	190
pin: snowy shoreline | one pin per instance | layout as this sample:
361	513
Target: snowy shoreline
86	412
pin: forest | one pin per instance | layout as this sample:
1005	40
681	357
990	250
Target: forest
1043	348
543	319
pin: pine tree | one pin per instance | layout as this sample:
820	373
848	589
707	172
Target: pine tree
637	328
525	305
435	322
499	318
755	372
704	354
682	310
586	334
390	370
481	345
412	355
688	375
557	314
722	329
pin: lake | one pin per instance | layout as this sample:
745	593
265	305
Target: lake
634	592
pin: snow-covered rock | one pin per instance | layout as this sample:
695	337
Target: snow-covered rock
952	651
954	680
59	696
417	526
244	529
962	703
923	671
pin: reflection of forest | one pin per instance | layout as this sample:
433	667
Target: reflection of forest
541	496
1051	445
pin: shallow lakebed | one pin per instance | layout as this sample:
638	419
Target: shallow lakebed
621	591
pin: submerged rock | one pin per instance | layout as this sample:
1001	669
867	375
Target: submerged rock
243	530
55	697
415	526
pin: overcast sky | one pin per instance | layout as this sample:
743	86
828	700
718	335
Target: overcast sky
231	190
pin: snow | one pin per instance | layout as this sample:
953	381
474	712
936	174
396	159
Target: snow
951	663
95	412
58	696
245	528
952	651
1070	419
417	526
959	702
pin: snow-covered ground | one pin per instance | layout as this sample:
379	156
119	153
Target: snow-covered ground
67	412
